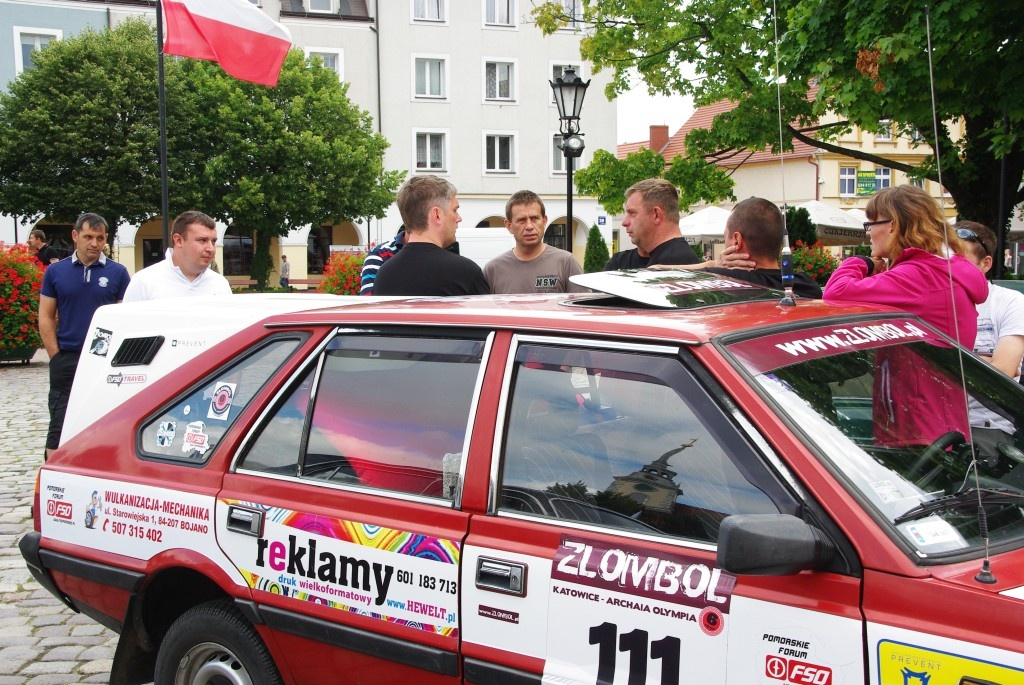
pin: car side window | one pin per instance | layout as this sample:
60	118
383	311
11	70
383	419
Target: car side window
628	441
384	412
190	429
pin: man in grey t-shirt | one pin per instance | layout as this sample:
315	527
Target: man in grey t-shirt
531	266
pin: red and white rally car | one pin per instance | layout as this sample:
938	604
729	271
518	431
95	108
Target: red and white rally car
676	480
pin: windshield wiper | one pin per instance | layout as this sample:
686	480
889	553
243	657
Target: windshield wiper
961	500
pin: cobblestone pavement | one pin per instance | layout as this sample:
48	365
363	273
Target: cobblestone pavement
42	642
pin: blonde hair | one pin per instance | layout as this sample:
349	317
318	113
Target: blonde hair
917	221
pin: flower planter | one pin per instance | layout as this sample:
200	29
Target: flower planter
18	354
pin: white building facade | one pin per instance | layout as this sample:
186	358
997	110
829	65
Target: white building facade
458	87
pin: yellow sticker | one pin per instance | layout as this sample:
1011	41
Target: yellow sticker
903	664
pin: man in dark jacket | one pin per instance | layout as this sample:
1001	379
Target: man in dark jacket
652	222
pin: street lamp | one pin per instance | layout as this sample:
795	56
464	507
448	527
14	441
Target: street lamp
569	91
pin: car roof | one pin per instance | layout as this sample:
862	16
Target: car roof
716	306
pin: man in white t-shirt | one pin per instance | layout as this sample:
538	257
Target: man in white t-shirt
185	271
1000	339
532	266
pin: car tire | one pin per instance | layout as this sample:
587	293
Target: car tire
213	643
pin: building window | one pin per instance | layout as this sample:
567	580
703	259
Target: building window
499	153
321	5
557	154
429	10
574	11
430	77
917	183
883	178
499	80
884	134
331	58
29	39
558	69
500	12
238	251
847	181
916	136
430	151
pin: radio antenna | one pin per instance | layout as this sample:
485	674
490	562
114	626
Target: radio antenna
786	258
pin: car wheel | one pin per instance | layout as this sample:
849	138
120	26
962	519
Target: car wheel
213	644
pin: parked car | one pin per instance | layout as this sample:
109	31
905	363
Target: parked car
676	479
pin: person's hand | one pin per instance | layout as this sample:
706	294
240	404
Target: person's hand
880	263
732	258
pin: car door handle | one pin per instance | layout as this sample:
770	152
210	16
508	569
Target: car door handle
497	575
245	521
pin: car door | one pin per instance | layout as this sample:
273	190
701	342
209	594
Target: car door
339	511
615	467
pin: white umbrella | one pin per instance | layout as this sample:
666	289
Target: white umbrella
835	226
705	225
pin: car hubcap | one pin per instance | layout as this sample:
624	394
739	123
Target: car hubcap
211	664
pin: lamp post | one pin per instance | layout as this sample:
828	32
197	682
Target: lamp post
569	91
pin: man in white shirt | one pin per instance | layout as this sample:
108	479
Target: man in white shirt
186	269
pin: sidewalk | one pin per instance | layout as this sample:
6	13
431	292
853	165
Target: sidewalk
42	642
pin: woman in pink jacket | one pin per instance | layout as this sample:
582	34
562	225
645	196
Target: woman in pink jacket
916	264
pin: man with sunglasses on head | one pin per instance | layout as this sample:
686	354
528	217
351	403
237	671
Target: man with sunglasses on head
1000	340
1000	317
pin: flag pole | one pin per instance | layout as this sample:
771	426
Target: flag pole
162	107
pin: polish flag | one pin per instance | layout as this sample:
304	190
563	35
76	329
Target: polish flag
236	34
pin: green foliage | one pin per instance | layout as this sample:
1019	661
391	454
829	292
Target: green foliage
596	255
607	177
341	273
275	159
815	260
800	227
21	277
79	130
870	62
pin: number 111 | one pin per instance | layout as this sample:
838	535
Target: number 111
634	642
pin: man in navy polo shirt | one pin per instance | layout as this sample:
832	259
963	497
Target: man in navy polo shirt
73	289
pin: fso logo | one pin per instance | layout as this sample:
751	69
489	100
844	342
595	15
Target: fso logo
61	510
794	671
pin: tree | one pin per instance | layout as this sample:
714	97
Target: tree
274	159
869	61
800	227
79	130
596	255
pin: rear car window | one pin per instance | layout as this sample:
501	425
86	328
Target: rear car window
190	429
381	412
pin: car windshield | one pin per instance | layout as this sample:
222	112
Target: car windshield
919	432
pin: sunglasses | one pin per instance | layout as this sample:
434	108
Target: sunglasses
869	224
968	234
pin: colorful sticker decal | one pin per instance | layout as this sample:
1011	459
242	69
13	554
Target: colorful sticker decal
125	518
129	378
931	532
196	438
635	613
904	664
220	403
100	343
383	573
781	349
165	433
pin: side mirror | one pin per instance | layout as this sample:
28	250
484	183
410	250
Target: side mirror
771	545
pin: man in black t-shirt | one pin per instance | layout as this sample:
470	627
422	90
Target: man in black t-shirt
44	253
755	228
423	266
652	222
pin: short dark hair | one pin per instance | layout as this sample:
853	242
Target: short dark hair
986	237
186	219
761	224
657	192
418	195
94	221
523	197
38	234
